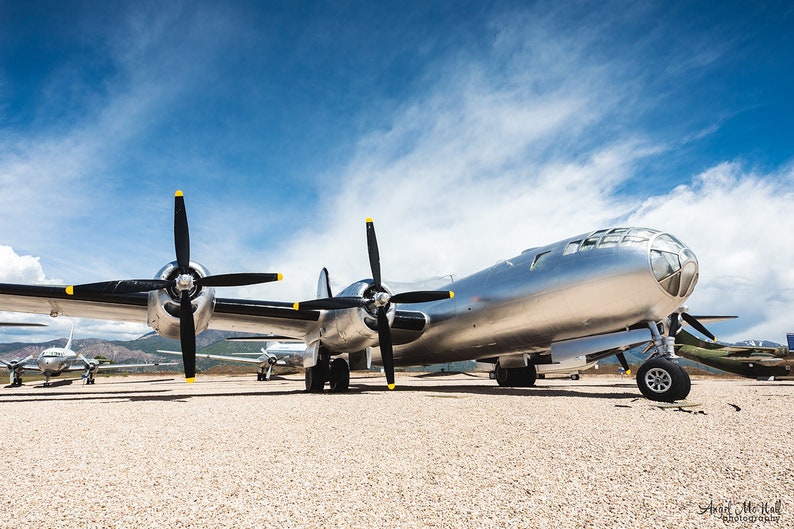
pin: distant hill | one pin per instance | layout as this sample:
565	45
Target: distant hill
758	343
143	349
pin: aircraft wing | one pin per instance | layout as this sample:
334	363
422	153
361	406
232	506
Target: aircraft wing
230	314
82	367
10	364
750	350
53	300
240	359
130	366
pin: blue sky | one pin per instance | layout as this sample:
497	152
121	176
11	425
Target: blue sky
468	130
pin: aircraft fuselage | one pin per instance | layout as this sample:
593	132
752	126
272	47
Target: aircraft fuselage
588	285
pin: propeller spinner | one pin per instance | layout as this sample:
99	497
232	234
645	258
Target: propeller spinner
184	282
379	298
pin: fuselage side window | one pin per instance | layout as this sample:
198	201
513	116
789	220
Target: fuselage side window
609	241
633	240
572	247
537	262
588	244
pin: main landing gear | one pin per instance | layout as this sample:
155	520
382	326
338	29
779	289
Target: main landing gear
336	372
88	377
522	377
16	378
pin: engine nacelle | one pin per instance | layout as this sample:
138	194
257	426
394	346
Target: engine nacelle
164	304
348	330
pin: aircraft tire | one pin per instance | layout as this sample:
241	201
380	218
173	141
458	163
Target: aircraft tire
502	376
511	377
663	381
528	376
687	383
315	378
339	377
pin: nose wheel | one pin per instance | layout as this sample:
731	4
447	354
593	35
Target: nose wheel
662	380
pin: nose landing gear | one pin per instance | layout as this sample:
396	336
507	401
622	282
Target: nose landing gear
662	380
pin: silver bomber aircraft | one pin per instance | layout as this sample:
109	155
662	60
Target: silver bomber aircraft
593	295
54	361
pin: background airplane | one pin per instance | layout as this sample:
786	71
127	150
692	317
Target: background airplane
54	361
747	361
274	354
594	295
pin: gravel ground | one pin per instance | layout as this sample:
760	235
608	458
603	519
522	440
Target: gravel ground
453	451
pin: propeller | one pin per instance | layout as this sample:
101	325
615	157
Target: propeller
184	282
623	363
675	324
15	367
378	297
271	361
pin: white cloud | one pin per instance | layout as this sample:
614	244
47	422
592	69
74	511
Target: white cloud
16	268
739	224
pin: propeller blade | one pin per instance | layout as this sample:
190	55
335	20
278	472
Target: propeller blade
123	286
386	350
422	296
697	325
675	324
341	302
623	363
269	370
374	255
237	280
181	233
187	336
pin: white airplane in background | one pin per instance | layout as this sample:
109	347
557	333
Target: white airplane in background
273	354
594	295
54	361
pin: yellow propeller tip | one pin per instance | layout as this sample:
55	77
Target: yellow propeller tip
628	372
279	277
451	294
179	193
369	219
190	380
391	386
296	306
70	290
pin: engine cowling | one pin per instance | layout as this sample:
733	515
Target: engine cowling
347	330
163	305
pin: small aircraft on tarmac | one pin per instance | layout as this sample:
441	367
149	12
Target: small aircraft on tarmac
745	360
54	361
594	295
274	354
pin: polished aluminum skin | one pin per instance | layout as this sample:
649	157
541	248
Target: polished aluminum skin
594	284
163	305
